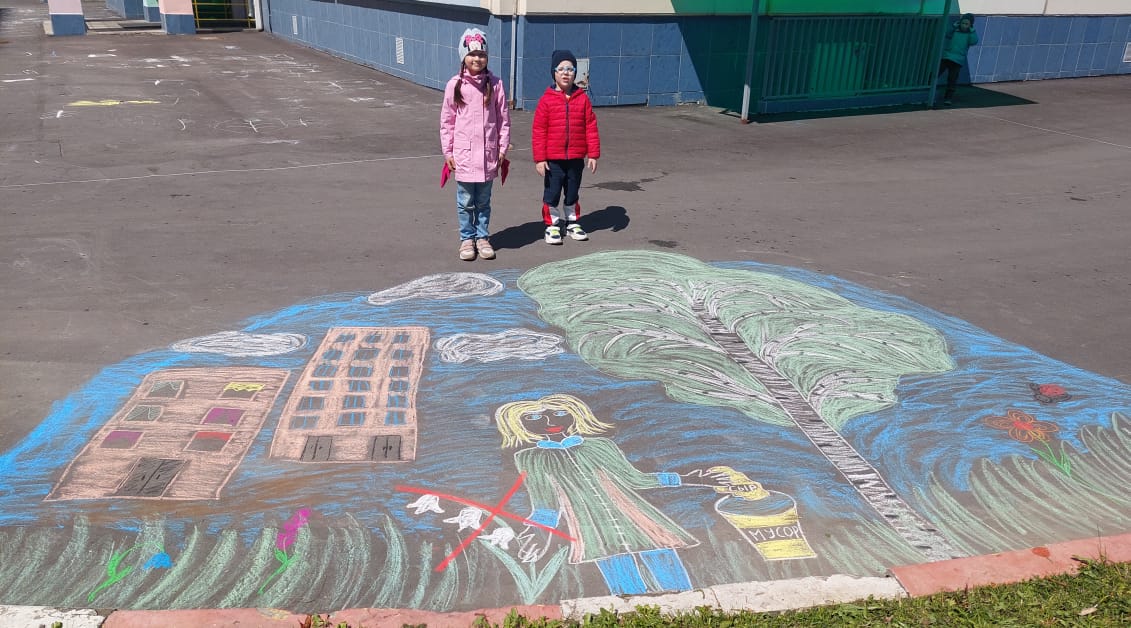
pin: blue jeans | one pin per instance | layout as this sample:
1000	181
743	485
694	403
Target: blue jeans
473	203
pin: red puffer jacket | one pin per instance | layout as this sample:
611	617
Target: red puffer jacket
564	127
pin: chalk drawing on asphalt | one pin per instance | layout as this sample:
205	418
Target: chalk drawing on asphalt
440	287
677	357
510	344
180	435
1049	393
780	350
356	399
573	473
116	571
767	519
284	542
241	344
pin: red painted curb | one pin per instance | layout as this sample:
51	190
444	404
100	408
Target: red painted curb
1007	567
379	617
356	618
205	618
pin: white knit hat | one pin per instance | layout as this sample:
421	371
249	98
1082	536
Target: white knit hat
471	40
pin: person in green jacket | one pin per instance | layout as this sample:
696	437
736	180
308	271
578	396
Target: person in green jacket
959	37
576	475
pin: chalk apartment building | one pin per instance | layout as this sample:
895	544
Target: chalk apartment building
355	400
180	435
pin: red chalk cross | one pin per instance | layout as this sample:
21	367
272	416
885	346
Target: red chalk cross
491	513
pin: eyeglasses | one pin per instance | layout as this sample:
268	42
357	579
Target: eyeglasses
566	70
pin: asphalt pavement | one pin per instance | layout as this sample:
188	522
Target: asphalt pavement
158	188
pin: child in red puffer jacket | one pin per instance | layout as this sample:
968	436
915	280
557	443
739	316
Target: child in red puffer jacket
565	141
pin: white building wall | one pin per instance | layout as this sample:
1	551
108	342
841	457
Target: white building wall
1044	7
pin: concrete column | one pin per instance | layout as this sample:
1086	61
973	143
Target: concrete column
152	11
66	17
176	17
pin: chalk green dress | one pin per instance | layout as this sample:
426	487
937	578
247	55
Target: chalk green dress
594	487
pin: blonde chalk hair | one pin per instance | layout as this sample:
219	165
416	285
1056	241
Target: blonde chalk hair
508	418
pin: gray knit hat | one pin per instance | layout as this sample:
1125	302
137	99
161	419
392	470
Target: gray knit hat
472	39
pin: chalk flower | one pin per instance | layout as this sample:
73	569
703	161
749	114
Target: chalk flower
291	526
469	517
1021	426
501	537
426	503
284	540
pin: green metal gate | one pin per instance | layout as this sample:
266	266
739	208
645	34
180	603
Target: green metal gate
814	62
223	14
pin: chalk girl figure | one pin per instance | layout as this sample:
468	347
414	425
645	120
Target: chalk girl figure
573	473
475	130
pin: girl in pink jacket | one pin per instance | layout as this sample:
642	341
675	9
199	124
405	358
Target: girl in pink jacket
475	132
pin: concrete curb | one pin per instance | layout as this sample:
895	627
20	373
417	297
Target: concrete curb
778	595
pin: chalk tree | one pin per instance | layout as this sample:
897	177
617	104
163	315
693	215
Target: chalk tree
778	350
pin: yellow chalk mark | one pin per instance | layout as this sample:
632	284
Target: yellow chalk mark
111	103
783	549
245	386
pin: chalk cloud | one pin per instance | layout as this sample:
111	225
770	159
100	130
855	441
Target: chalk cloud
242	344
510	344
439	287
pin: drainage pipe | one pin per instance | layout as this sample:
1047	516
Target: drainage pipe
943	22
754	10
514	49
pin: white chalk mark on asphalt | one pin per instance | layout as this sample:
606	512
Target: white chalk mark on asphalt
230	171
1041	128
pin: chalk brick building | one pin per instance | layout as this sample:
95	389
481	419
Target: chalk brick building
356	399
180	435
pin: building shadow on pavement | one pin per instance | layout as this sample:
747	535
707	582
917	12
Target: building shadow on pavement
611	218
968	97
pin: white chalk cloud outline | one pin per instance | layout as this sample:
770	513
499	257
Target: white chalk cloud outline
242	344
509	344
439	287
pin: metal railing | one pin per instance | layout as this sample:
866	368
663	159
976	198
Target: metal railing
822	57
224	13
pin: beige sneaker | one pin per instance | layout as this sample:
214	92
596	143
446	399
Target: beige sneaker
486	251
467	250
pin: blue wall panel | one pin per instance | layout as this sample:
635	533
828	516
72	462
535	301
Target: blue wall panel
129	9
1028	48
657	60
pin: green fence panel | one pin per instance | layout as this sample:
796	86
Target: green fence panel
827	57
